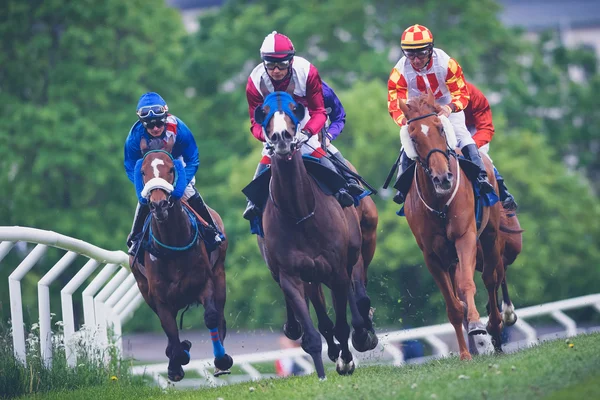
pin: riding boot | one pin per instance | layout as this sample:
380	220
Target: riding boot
141	212
353	186
343	196
507	199
405	162
471	153
199	206
251	210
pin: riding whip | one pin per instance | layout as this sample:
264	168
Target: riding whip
392	171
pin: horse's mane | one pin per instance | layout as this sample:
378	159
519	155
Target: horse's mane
420	105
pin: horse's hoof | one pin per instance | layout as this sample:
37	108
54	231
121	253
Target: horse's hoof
364	341
224	363
483	344
293	333
343	368
218	372
333	352
509	317
175	376
476	328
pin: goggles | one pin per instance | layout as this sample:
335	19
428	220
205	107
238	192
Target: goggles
152	111
159	123
420	54
270	65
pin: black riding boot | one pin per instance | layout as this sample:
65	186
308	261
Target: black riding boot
405	162
251	210
507	199
343	196
141	212
471	153
353	186
199	206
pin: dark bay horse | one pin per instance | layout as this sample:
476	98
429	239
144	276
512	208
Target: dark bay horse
179	272
440	212
309	238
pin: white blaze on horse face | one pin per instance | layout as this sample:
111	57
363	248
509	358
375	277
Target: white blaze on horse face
424	129
279	122
155	163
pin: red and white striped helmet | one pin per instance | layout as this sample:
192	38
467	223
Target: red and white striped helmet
277	47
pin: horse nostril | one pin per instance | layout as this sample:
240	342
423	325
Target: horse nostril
450	176
436	180
275	138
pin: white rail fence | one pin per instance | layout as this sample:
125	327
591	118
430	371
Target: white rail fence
388	350
112	296
108	300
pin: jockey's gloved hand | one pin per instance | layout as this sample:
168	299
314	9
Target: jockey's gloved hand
303	136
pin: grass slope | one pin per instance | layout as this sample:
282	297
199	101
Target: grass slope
551	370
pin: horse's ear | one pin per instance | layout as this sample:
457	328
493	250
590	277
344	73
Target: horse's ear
144	145
404	107
168	146
430	97
260	113
299	111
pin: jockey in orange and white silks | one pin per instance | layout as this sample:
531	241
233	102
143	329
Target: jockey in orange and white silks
425	67
282	71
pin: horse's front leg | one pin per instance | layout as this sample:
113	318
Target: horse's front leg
363	337
345	364
176	353
220	290
454	307
325	324
291	328
223	361
293	289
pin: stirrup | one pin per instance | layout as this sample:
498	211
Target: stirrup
250	212
344	198
399	198
484	185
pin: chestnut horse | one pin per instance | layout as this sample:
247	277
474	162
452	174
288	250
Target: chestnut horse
309	238
440	212
177	271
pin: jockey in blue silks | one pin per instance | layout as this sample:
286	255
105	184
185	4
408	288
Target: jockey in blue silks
154	122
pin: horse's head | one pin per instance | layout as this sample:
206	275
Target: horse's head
279	116
158	174
424	136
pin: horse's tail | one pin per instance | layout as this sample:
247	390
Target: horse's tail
506	229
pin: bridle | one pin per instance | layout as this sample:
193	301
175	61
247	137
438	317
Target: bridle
425	165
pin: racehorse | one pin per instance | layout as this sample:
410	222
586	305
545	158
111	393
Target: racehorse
309	238
440	212
177	270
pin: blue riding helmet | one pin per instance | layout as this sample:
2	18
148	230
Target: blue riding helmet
151	106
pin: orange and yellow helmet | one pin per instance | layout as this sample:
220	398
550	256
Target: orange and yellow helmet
416	37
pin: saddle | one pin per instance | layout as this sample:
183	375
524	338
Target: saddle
257	191
404	182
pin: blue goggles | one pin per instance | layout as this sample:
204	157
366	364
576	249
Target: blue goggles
152	111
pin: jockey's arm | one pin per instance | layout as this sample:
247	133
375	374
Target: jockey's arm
189	150
132	152
316	105
397	89
481	117
457	86
337	116
254	100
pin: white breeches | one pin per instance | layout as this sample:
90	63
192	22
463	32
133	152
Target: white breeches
463	136
190	189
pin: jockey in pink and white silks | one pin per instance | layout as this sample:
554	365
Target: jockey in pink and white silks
281	70
155	123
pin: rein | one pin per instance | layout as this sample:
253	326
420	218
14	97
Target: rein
183	248
442	214
298	220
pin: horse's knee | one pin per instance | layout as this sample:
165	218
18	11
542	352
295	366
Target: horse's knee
311	343
211	318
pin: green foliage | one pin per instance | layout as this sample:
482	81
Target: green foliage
73	71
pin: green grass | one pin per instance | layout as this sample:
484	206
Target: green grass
552	370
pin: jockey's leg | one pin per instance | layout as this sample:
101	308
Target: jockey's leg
469	149
353	186
343	196
405	162
197	203
251	210
507	199
141	212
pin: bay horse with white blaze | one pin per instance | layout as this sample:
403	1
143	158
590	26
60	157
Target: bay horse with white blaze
177	271
309	238
440	211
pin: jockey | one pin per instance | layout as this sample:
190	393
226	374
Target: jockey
478	118
281	70
155	122
425	67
